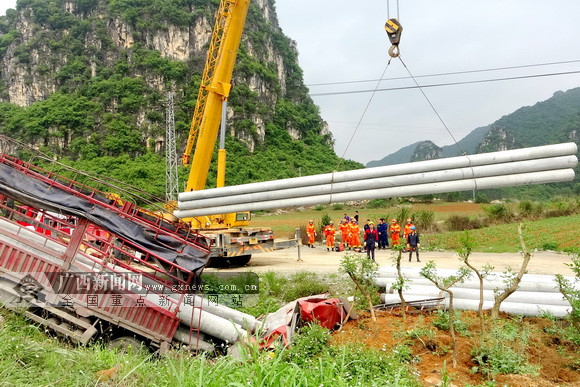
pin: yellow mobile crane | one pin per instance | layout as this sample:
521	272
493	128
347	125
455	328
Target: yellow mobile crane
230	240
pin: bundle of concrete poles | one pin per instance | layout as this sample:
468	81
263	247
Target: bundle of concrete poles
212	319
544	164
536	294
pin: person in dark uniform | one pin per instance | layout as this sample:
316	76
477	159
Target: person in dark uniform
413	243
382	229
371	237
366	226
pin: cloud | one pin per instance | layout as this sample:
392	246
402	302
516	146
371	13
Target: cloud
341	40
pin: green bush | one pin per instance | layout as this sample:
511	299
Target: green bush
402	215
570	289
378	203
503	350
462	223
403	353
499	212
337	207
324	220
442	322
563	207
424	220
530	209
303	284
552	246
311	341
493	359
481	198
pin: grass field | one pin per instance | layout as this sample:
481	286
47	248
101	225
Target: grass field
393	352
285	223
29	358
561	233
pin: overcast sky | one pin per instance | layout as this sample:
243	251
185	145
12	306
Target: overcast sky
342	40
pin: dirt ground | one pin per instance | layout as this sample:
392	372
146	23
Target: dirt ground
321	261
548	353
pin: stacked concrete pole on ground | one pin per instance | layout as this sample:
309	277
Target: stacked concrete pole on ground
226	326
535	295
538	165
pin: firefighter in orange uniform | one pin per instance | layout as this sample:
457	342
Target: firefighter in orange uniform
354	234
344	232
311	232
395	231
407	229
329	232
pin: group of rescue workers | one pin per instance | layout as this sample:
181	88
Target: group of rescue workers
373	237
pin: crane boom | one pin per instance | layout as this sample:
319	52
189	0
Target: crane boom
214	89
230	239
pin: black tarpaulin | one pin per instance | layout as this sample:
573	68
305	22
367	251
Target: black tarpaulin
36	193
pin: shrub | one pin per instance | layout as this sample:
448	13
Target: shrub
324	220
403	214
499	359
570	289
503	350
462	223
563	207
303	284
442	322
499	212
337	207
551	245
424	219
481	198
402	353
311	341
319	208
378	203
531	209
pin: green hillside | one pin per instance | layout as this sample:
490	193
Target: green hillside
555	120
85	81
552	121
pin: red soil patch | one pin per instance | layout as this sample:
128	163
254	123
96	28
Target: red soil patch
450	208
544	350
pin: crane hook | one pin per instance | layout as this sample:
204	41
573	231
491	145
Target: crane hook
394	30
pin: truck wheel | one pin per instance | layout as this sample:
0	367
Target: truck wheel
217	262
240	260
127	344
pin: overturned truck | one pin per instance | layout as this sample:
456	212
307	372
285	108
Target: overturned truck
86	264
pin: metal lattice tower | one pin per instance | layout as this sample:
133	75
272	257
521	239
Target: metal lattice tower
171	178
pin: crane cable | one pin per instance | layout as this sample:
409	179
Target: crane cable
397	55
389	9
341	159
462	152
371	97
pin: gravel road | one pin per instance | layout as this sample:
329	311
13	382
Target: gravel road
320	261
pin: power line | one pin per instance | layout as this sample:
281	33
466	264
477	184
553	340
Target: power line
433	107
448	73
445	84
